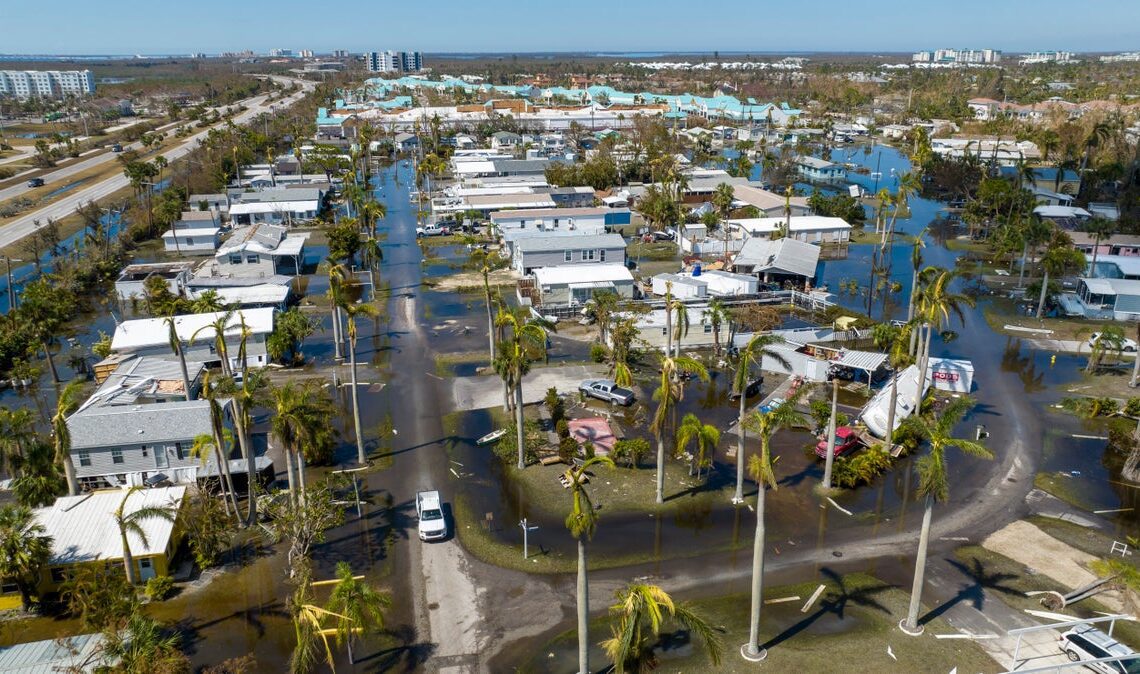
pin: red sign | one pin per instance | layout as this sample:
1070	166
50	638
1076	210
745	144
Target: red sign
945	376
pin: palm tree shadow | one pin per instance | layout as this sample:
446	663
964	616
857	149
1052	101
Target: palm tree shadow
975	590
408	656
718	477
835	602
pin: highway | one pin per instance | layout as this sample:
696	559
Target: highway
25	224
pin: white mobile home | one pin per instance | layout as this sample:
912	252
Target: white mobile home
132	279
151	337
260	251
588	219
681	287
575	284
727	284
806	228
200	241
531	252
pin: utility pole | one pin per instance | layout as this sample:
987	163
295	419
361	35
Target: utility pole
11	288
831	435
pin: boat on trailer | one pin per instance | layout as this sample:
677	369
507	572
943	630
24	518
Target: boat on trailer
493	436
875	414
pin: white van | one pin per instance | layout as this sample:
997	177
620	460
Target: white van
1088	643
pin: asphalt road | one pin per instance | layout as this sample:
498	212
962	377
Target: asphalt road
26	223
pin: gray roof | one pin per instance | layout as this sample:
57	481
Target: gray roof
125	425
269	196
54	655
145	375
547	243
520	165
785	255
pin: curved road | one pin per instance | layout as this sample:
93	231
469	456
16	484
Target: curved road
25	224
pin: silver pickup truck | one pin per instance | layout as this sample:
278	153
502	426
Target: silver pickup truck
607	390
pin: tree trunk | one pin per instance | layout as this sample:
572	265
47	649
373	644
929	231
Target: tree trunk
301	475
583	611
490	320
660	469
290	471
738	497
128	559
1024	254
250	467
360	457
829	460
1096	248
1044	288
920	567
51	362
521	436
668	330
757	577
1135	362
69	473
185	374
225	478
910	309
338	343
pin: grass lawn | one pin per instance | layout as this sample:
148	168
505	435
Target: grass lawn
853	622
967	245
657	251
445	363
1004	312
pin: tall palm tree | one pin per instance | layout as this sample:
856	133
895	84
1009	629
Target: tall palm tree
895	341
203	446
482	259
130	522
705	436
933	483
751	357
718	315
937	302
67	403
290	422
17	435
668	394
723	197
351	312
1034	232
338	275
622	335
916	266
766	424
357	605
218	328
222	439
24	550
1060	258
524	341
636	621
582	520
180	353
371	212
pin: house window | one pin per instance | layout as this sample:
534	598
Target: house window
84	457
601	255
8	587
235	258
189	241
252	259
178	451
569	255
145	451
708	328
556	223
588	254
116	456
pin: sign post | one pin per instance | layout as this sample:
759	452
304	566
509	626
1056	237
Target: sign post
525	529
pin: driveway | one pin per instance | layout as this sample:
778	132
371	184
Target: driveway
477	393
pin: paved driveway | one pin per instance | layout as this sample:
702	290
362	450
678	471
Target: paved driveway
477	393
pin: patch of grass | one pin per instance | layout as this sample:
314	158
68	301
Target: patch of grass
1085	539
1061	486
449	240
967	245
657	251
852	625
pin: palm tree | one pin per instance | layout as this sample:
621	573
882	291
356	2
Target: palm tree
24	550
17	435
706	437
483	260
751	356
370	213
933	483
357	605
916	265
338	275
1060	258
936	303
1034	232
1098	228
717	315
67	403
218	327
636	620
582	521
221	438
896	342
208	443
525	342
766	424
176	348
351	311
1110	340
667	395
723	197
291	422
131	523
622	335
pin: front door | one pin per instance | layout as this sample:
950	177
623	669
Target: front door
146	569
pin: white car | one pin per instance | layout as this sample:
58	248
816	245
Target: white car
429	510
1126	345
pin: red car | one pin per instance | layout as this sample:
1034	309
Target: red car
845	441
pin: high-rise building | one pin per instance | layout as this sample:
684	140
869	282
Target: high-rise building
340	53
279	52
957	56
24	84
395	61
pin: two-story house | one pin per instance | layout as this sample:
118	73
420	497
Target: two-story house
532	252
260	251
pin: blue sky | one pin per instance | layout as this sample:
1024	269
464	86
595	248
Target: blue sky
173	26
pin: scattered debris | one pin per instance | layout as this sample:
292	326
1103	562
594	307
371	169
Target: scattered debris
891	653
811	601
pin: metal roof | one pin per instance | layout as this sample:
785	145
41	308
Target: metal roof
867	361
51	656
82	528
782	255
145	375
532	244
582	273
144	332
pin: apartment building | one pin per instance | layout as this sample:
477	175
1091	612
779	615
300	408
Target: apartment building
395	61
25	84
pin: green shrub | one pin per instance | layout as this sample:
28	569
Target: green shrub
562	427
159	588
1132	407
554	404
631	451
507	448
861	468
567	449
599	353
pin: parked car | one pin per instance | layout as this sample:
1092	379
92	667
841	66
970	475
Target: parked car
772	404
607	390
1128	345
845	441
431	230
36	182
750	391
429	510
116	148
1088	643
663	235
